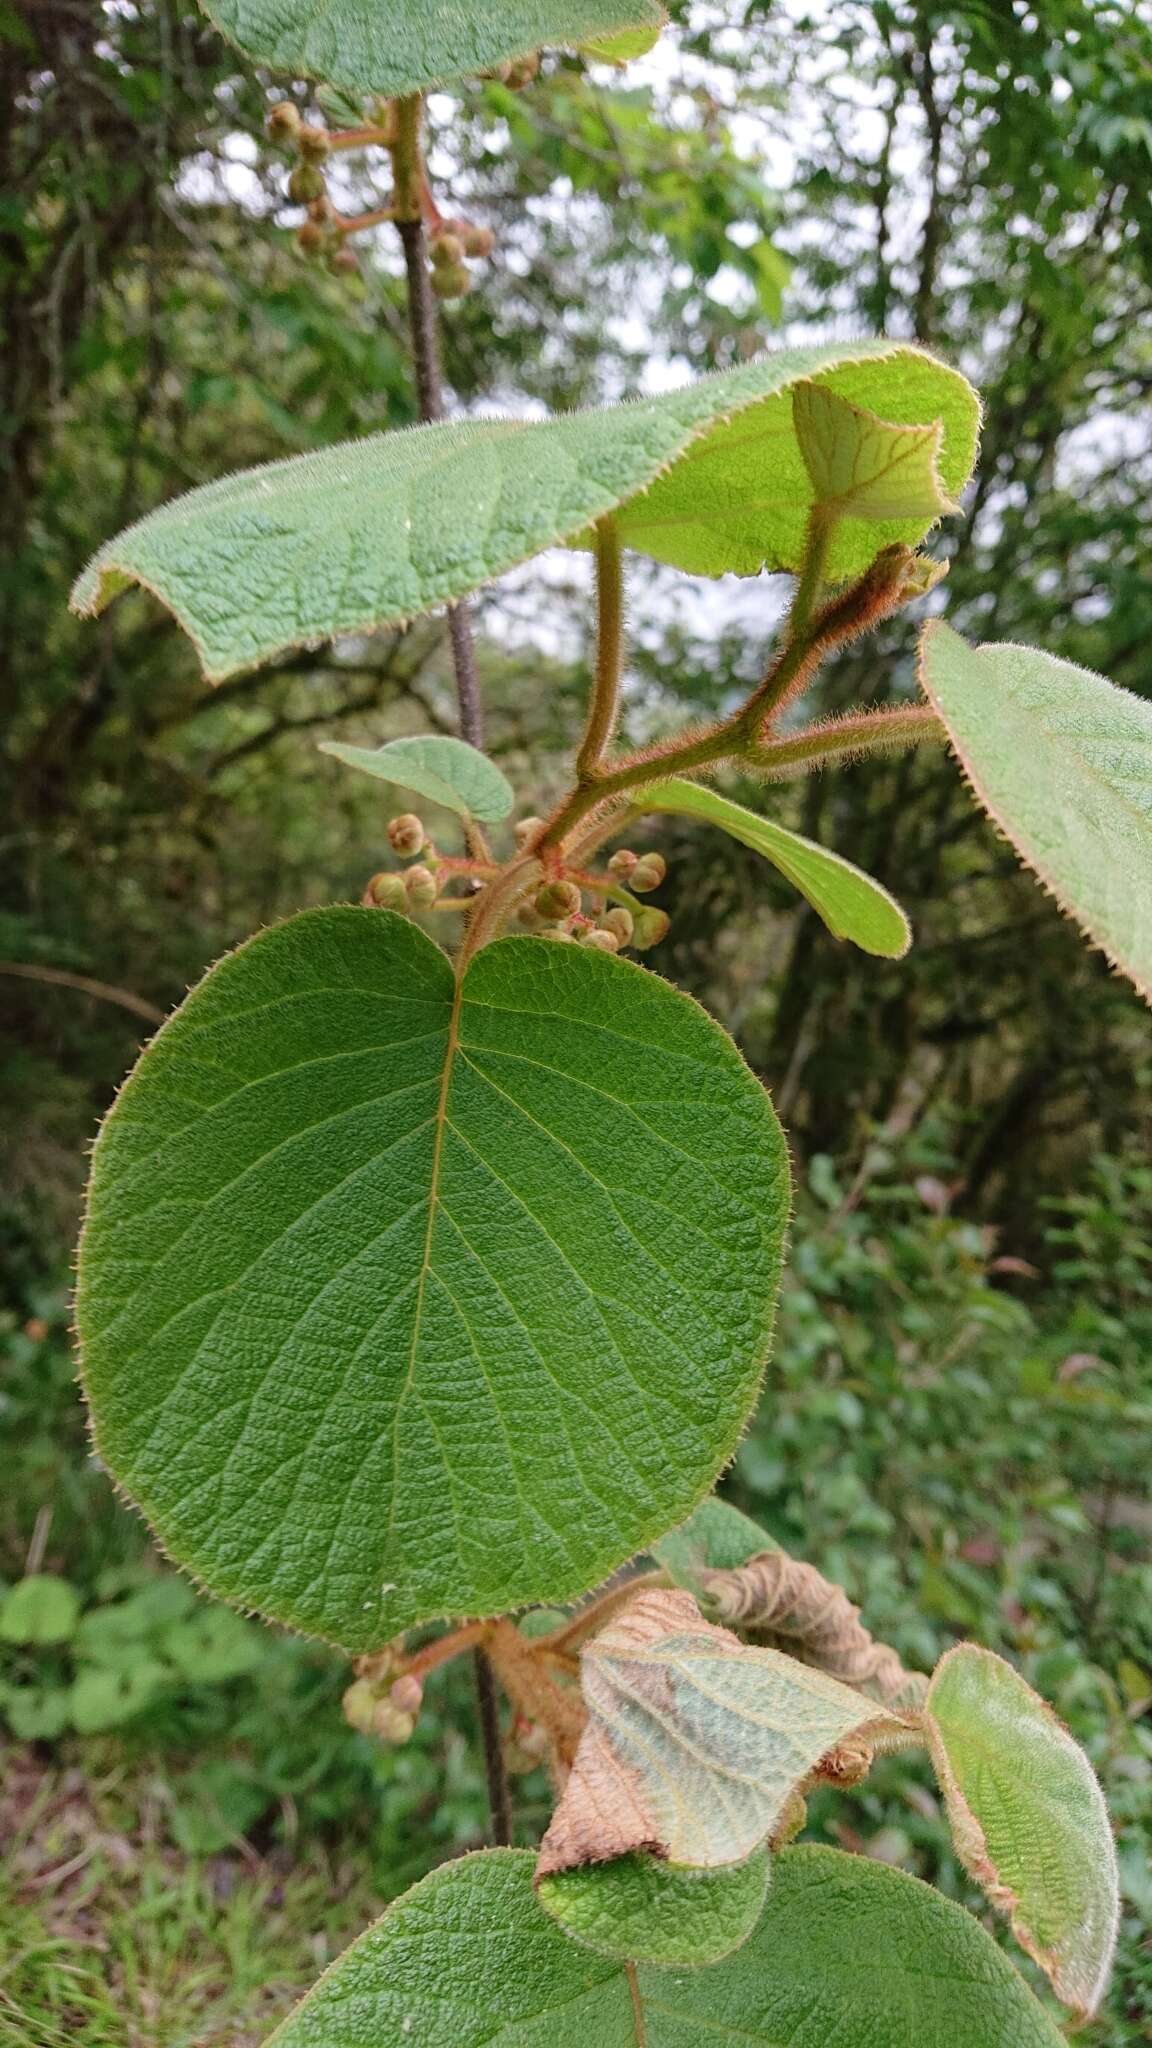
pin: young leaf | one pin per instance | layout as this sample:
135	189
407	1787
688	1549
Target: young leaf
649	1912
847	1952
445	771
1028	1818
695	1745
862	467
621	48
716	1538
403	46
851	904
398	1300
371	532
1062	762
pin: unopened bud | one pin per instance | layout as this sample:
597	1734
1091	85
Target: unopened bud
314	143
557	931
622	863
477	241
359	1703
387	892
284	121
525	832
453	281
344	262
406	834
305	183
648	873
390	1725
648	928
619	922
558	899
600	941
407	1693
447	248
422	887
311	238
529	918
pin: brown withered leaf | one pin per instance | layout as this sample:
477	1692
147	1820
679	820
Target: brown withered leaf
695	1744
777	1596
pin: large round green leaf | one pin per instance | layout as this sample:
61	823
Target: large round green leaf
401	46
1061	759
396	1302
710	478
847	1954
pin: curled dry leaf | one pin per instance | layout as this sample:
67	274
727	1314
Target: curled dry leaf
696	1744
778	1596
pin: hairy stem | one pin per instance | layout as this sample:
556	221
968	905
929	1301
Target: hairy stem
604	707
499	1797
408	175
837	740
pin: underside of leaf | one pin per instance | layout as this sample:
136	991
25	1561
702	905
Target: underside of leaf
392	47
377	531
695	1744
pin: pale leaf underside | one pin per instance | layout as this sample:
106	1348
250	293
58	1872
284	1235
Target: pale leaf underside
441	769
1028	1818
695	1744
392	47
1062	761
377	531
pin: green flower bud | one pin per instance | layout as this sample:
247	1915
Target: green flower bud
406	834
525	832
599	940
622	863
284	121
618	921
648	873
387	892
305	183
313	143
558	899
452	282
359	1705
447	249
422	887
390	1725
649	927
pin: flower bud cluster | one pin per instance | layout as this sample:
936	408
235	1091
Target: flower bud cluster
557	909
385	1707
418	887
450	245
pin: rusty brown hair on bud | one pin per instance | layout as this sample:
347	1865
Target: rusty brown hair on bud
311	238
406	834
284	120
314	144
794	1608
622	863
406	1693
477	241
558	899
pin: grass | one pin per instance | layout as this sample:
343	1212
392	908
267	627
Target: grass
112	1937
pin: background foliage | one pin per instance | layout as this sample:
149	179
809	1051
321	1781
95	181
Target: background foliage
961	1393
